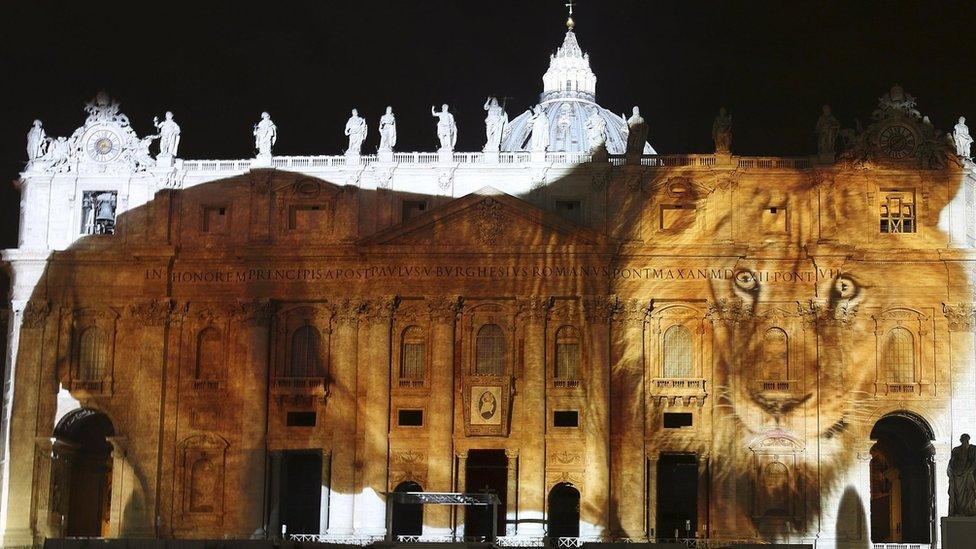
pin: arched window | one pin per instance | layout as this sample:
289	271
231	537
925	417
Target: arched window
567	355
304	353
209	355
413	351
775	355
898	356
490	351
91	362
677	352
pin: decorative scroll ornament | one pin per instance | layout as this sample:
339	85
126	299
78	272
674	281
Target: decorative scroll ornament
961	316
155	312
842	313
348	311
491	221
444	309
35	313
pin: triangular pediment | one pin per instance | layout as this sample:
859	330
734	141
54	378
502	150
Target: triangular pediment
488	218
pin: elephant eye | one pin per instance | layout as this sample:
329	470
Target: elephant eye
746	281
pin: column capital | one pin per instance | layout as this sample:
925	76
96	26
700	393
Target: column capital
631	310
598	309
348	311
256	312
461	454
534	308
379	309
119	446
153	312
34	313
960	316
511	453
729	310
444	309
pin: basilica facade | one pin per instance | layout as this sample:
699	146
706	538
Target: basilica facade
610	343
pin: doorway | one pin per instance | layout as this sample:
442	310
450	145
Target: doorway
564	511
301	491
902	480
408	518
677	496
83	473
486	471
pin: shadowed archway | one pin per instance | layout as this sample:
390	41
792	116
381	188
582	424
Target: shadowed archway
82	484
902	480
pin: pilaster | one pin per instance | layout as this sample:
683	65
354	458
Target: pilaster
344	362
532	459
443	315
594	509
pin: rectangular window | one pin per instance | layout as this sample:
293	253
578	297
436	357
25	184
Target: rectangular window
677	420
98	212
306	218
565	418
570	209
300	419
410	418
215	219
677	217
897	211
412	368
413	208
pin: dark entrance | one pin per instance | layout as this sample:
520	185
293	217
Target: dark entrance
83	473
408	518
487	470
564	511
902	480
677	496
300	496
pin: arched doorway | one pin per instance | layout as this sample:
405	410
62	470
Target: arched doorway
83	473
902	480
408	518
564	511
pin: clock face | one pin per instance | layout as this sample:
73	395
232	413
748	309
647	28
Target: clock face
103	144
897	141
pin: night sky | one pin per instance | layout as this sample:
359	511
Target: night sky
218	65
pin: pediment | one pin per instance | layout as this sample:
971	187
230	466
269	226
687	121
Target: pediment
488	219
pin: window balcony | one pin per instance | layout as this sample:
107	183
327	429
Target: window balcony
566	383
777	385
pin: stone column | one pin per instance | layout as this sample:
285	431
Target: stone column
460	486
376	450
627	503
511	488
48	519
962	368
652	532
121	486
254	317
703	481
532	427
594	508
344	360
440	421
27	341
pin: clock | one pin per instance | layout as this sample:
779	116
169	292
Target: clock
897	141
102	144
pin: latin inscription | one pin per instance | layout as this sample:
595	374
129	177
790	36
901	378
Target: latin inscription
393	272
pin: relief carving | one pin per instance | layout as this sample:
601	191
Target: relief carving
631	310
535	308
379	309
491	221
729	310
444	309
254	313
960	316
348	311
598	309
35	313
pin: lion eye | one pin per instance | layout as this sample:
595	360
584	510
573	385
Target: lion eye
845	287
746	280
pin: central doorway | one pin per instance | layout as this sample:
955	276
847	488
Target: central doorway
84	467
301	491
408	518
677	496
564	511
902	480
486	471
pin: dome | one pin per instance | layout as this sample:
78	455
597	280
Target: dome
569	99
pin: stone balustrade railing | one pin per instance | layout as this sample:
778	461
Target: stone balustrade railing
481	159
